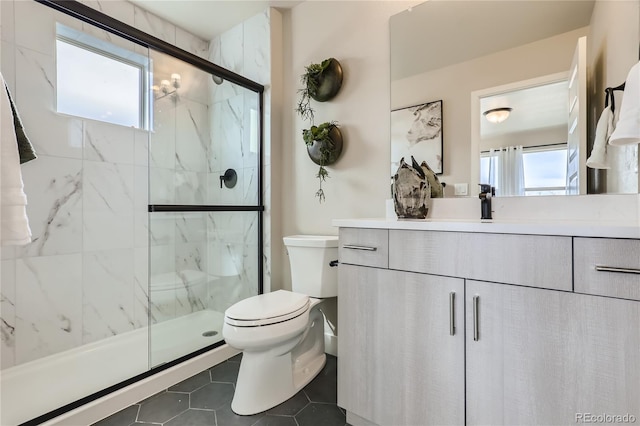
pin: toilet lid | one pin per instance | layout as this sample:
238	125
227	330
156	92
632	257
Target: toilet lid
268	308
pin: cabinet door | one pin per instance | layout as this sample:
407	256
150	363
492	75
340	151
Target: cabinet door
548	357
398	363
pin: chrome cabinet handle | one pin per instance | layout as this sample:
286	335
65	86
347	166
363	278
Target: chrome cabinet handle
476	328
452	313
352	247
614	269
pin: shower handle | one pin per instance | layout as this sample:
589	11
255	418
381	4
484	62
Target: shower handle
229	178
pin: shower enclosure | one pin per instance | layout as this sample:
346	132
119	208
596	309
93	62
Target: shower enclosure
204	227
146	221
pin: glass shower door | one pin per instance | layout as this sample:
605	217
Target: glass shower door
204	205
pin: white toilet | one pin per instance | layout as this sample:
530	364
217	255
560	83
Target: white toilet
281	333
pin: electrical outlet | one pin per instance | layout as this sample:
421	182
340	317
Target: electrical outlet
461	188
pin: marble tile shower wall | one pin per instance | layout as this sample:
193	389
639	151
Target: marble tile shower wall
625	160
223	134
179	163
246	50
85	275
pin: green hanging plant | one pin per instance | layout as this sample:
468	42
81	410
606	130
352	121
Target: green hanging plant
324	144
320	82
311	81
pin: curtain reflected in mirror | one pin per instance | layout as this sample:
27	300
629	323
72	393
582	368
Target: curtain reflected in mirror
506	171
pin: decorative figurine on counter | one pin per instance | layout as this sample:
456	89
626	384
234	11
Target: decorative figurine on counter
411	191
437	189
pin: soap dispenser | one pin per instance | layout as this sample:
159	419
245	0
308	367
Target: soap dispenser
486	192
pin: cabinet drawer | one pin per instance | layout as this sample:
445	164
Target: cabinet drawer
607	267
531	260
366	247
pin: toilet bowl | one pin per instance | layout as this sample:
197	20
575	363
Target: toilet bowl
281	333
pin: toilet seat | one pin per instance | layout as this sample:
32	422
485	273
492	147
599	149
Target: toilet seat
266	309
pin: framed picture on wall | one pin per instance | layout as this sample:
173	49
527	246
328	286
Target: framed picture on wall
417	131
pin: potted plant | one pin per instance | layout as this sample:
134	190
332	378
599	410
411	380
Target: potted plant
320	82
324	146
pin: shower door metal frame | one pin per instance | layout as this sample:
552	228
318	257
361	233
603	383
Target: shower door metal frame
105	22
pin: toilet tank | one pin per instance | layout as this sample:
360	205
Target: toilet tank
309	257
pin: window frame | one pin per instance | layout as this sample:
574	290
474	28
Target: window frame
110	51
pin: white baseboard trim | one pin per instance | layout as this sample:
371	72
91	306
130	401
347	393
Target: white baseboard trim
134	393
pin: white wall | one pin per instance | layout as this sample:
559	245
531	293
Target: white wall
355	33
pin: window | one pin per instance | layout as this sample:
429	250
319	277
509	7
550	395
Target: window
545	169
100	81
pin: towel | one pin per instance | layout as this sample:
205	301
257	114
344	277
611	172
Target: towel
25	150
604	128
14	225
627	130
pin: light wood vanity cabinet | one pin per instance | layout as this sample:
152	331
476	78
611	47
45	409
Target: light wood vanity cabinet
366	247
543	356
531	260
607	267
402	361
529	355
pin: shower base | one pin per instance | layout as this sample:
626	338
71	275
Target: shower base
34	388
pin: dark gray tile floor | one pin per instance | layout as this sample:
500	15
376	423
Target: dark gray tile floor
205	400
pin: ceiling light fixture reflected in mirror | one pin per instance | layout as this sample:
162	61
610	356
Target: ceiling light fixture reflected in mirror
497	115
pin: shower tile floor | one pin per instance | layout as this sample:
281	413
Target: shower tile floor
205	400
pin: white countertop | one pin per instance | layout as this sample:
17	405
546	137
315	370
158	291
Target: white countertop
530	227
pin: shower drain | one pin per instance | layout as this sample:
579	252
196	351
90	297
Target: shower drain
209	333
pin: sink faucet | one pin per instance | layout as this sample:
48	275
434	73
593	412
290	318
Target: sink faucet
486	192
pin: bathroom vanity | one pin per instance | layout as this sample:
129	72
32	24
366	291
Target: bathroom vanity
463	322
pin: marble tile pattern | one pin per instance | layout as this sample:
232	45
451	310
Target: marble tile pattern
252	38
48	305
108	288
8	313
624	159
259	36
154	25
257	48
85	275
232	258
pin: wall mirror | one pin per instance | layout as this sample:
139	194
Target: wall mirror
476	56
